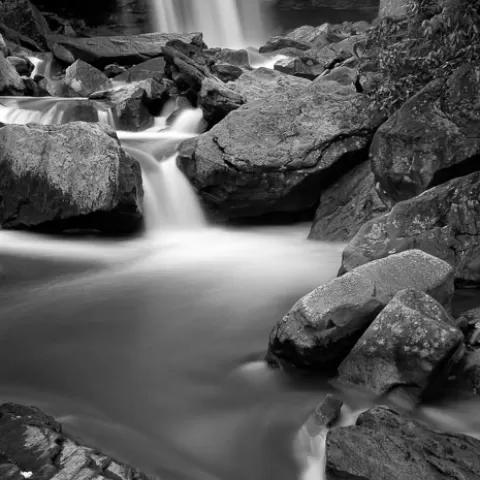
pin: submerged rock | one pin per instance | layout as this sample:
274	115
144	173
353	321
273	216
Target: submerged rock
85	79
408	348
443	221
322	327
383	445
73	176
32	445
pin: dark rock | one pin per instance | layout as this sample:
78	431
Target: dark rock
432	138
443	221
85	79
32	445
59	25
346	205
11	35
124	50
322	327
31	87
23	17
113	70
154	68
408	348
328	411
238	58
465	380
226	72
73	176
275	154
10	81
23	66
383	445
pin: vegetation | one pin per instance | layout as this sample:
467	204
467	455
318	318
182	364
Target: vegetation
436	37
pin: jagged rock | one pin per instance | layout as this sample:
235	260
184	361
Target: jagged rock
322	327
124	50
32	445
275	154
85	79
23	17
73	176
346	205
23	66
408	348
443	221
154	68
384	445
432	138
10	81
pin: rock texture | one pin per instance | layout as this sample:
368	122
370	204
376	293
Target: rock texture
154	68
433	137
443	221
323	326
383	445
32	445
408	348
274	155
85	79
10	81
393	8
73	176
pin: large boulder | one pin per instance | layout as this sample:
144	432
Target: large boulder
323	326
10	81
85	79
73	176
408	348
384	445
154	68
32	445
275	154
443	221
432	138
124	50
346	205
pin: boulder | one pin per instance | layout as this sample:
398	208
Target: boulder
443	221
226	72
298	67
346	205
238	58
73	176
10	81
432	138
408	348
274	155
23	17
85	79
384	445
3	46
23	66
123	50
154	68
32	445
322	327
113	70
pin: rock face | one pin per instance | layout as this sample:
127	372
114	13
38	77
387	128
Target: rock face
73	176
408	347
346	205
442	221
124	50
432	138
274	155
383	445
85	79
32	445
323	326
10	81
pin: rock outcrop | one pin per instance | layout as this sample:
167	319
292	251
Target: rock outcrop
73	176
322	327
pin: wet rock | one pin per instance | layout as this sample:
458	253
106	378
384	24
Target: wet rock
154	68
226	72
442	221
238	58
322	327
275	154
465	380
23	66
384	445
328	411
73	176
10	81
32	445
113	70
85	79
432	138
346	205
23	17
408	348
123	50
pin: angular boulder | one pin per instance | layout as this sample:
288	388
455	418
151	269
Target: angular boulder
443	221
346	205
323	326
408	348
32	445
275	154
85	79
63	177
154	68
10	81
432	138
384	445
